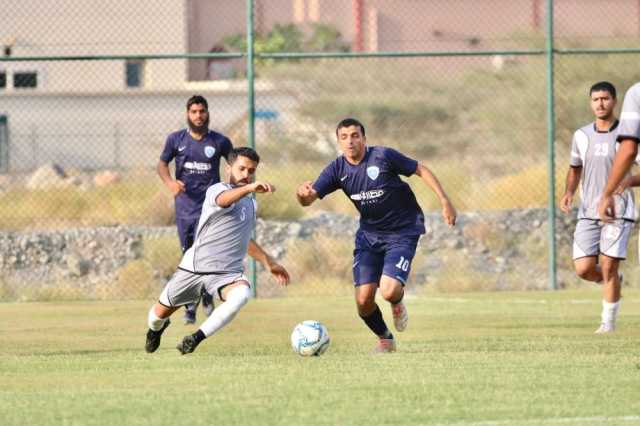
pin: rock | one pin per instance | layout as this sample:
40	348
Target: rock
106	177
77	266
47	176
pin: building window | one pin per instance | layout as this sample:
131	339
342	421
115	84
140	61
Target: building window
3	80
134	73
25	80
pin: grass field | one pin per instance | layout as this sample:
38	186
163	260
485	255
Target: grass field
469	359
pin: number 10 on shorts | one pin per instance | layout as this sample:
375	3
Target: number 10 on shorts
403	264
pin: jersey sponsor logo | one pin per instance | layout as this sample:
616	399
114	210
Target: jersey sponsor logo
180	149
343	178
209	151
373	172
368	195
196	167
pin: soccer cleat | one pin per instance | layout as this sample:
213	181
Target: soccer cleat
207	303
385	346
606	327
189	316
188	345
153	338
400	316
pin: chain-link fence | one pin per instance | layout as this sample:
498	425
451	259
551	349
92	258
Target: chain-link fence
90	90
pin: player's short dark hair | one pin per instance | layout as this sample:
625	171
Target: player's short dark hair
348	122
603	86
243	151
199	100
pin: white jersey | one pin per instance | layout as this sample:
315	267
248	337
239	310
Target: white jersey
630	116
222	238
594	151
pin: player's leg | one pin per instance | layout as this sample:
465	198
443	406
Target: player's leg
586	247
183	287
234	296
399	253
615	238
367	270
186	232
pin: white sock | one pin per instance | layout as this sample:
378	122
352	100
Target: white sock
223	314
610	311
155	322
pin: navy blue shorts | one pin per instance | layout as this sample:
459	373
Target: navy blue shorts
376	255
186	231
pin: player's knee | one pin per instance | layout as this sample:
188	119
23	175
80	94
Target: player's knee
239	296
609	271
584	271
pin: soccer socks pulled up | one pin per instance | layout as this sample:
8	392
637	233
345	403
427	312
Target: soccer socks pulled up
376	324
610	311
155	322
223	314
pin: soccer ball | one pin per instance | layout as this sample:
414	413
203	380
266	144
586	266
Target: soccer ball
310	338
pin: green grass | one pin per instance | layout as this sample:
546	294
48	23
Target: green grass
508	358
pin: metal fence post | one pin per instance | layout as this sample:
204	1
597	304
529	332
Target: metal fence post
251	117
551	147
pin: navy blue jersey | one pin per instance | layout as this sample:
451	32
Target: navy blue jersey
197	166
386	203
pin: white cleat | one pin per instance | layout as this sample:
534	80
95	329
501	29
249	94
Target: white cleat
385	346
606	328
400	316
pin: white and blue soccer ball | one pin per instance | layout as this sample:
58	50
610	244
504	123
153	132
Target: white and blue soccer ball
310	338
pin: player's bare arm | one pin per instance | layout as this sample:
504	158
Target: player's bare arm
175	186
278	271
621	165
448	211
571	185
305	194
230	196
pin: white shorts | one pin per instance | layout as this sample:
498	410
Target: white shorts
593	237
185	287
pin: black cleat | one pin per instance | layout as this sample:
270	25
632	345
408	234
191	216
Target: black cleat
153	338
188	345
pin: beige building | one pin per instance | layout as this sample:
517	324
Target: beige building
148	27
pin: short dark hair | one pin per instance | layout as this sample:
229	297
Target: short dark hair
348	122
197	99
603	86
243	151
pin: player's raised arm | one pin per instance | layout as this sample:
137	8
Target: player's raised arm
230	196
448	211
305	194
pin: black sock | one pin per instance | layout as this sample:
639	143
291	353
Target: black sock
395	302
376	324
198	336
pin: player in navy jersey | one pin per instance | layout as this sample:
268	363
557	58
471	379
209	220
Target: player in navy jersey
391	221
197	152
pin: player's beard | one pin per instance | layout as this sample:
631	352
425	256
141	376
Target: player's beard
199	129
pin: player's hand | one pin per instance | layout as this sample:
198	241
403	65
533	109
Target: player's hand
305	190
626	183
449	213
176	187
606	208
262	187
279	273
566	202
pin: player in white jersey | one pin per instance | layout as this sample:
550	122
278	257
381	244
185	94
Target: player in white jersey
215	260
599	247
